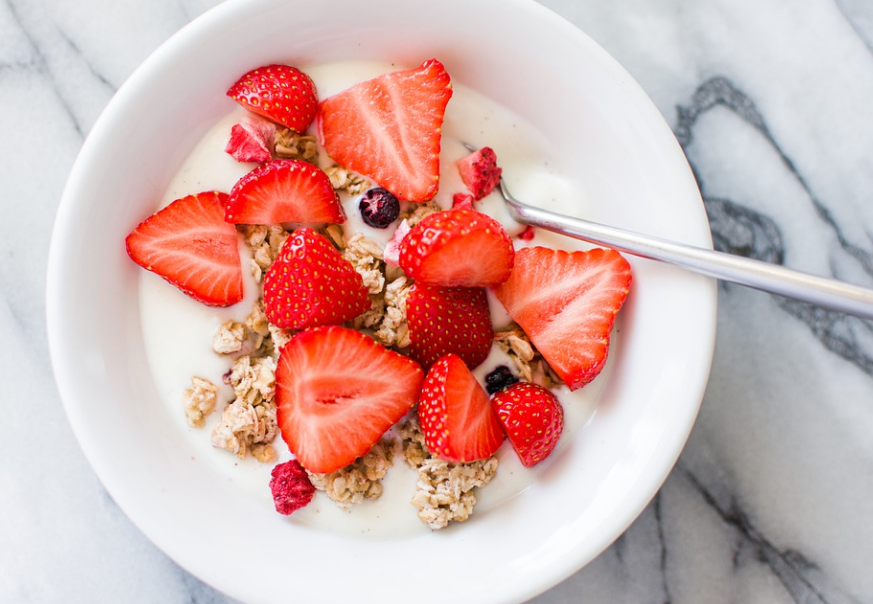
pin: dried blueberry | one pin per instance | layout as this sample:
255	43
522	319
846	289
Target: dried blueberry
379	207
499	379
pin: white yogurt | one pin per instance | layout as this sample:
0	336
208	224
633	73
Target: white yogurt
177	331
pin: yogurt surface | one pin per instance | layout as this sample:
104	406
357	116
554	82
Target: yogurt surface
178	331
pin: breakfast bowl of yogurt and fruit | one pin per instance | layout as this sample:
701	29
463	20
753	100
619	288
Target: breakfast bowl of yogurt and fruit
305	346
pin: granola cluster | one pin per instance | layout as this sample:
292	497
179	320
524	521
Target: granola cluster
288	144
531	365
360	480
444	491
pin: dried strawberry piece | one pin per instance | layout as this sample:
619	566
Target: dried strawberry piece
462	200
291	487
251	140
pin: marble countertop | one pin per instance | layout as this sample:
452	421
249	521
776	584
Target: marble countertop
771	500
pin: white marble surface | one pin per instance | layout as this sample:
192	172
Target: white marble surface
772	499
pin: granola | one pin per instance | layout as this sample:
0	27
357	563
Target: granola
199	401
288	144
531	365
343	179
229	338
253	379
444	491
393	329
244	425
365	255
360	480
265	242
415	213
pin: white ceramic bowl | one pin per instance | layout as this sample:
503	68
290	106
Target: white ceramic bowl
591	112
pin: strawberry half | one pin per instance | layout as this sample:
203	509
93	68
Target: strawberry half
388	129
284	190
455	414
445	320
311	284
566	302
189	244
480	172
532	418
337	392
280	93
457	247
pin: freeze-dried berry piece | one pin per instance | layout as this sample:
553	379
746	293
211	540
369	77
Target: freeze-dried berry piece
499	379
291	487
379	207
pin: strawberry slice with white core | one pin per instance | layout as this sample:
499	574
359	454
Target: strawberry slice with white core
457	247
389	129
282	191
189	244
455	413
337	392
566	302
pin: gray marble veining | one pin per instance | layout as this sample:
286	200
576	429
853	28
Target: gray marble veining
772	499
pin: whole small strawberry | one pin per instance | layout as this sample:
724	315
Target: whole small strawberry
311	284
532	418
445	320
280	93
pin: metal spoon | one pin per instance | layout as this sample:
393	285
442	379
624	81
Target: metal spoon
760	275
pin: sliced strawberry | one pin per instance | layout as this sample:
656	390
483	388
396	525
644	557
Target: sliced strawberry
337	392
388	129
280	93
445	320
480	172
311	284
251	140
566	303
189	244
457	248
455	414
532	418
284	190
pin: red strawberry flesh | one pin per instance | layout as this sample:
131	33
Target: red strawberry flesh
566	302
455	413
389	129
284	191
311	284
337	392
445	320
189	244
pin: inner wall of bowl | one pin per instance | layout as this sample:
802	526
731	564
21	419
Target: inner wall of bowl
167	106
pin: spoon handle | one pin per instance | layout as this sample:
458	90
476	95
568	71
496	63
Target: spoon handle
760	275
